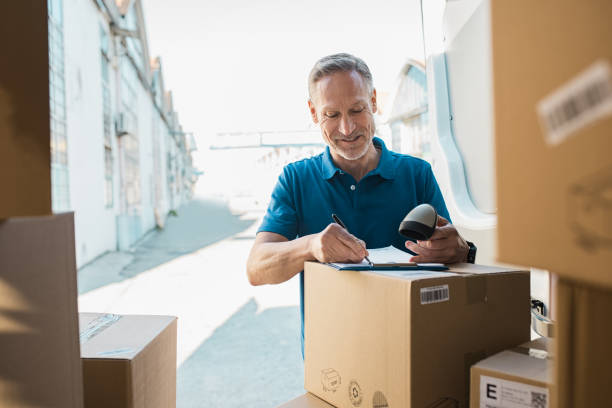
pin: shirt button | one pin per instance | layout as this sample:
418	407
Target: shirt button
353	187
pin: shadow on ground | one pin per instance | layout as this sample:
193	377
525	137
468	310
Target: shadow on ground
199	223
253	360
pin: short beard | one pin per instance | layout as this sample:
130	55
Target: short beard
370	131
353	156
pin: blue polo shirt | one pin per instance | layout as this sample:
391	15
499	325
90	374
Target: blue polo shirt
310	190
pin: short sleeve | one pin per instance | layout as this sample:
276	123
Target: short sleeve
431	192
281	215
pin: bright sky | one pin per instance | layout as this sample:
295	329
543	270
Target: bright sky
242	64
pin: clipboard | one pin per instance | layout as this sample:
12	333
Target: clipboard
388	266
387	259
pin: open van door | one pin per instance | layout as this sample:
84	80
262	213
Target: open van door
457	48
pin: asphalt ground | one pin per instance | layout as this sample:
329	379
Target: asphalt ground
238	345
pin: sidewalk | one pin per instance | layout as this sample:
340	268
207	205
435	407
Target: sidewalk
238	345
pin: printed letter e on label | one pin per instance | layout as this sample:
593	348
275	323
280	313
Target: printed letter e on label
492	391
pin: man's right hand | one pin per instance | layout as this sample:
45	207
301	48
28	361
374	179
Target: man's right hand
335	244
275	259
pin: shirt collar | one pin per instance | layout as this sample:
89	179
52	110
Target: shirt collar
385	168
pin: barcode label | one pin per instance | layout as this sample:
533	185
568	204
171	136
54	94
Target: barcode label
538	400
434	294
581	101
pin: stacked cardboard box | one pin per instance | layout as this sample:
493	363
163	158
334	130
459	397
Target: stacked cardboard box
128	361
584	346
552	81
39	328
552	70
306	401
521	376
40	363
25	178
407	338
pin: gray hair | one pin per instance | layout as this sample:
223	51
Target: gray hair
341	62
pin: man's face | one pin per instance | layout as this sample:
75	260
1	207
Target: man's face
343	108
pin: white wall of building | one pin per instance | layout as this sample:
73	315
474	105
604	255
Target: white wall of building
95	230
146	110
97	226
164	203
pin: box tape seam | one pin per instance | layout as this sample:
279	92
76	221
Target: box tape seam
475	289
98	325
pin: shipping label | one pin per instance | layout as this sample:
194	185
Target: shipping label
498	393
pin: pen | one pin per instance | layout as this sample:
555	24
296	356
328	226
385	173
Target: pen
340	223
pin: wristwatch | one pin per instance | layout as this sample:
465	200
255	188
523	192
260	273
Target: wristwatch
471	255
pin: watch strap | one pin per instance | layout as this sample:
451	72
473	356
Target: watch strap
471	256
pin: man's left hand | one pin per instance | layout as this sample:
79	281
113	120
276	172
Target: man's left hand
444	246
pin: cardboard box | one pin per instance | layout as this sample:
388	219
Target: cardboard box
25	154
407	338
306	401
584	346
517	377
39	346
128	361
552	83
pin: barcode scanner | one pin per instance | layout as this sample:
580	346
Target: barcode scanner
420	223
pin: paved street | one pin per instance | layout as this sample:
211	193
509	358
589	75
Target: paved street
238	346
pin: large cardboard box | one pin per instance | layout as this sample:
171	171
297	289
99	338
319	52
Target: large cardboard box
517	377
552	84
129	361
40	364
306	401
407	338
25	156
583	356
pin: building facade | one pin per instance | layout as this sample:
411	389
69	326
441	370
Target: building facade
408	119
120	158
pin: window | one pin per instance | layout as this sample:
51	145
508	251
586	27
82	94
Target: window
60	191
106	118
108	177
129	104
134	45
409	114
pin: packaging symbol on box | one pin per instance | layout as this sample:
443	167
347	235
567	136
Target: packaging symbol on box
330	379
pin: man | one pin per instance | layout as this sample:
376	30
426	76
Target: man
369	187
